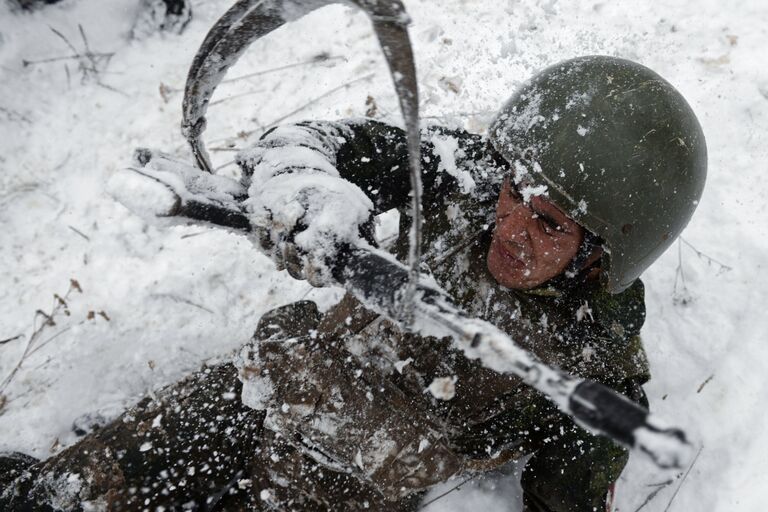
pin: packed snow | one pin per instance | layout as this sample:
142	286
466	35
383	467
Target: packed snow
156	302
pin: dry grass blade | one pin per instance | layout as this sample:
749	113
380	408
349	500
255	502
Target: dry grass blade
449	491
88	54
88	61
304	106
27	62
80	233
707	381
657	490
182	300
32	346
669	505
710	260
317	59
8	340
66	41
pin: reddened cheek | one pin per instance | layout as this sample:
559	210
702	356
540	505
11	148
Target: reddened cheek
533	242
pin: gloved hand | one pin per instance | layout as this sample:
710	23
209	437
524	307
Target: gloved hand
302	219
159	186
299	218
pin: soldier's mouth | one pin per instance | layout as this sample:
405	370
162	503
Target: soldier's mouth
506	259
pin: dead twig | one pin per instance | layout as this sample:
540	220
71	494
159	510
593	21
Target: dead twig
215	150
315	100
683	479
658	488
262	73
27	62
190	235
449	491
46	342
321	58
680	293
88	53
113	89
79	233
90	64
182	300
66	41
90	316
8	340
233	97
723	268
302	107
59	307
247	133
705	383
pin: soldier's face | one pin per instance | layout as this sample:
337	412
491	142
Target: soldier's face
532	242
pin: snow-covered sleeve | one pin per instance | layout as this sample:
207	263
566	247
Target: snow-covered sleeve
370	154
325	179
296	191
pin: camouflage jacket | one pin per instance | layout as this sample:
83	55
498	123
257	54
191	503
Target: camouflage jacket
349	389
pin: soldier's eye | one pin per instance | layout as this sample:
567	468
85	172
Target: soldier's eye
548	221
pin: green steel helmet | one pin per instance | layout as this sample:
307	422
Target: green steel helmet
617	148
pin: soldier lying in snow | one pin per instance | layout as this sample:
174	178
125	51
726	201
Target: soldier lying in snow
541	224
542	229
589	173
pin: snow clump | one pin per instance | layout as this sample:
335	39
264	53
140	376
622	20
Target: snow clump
443	388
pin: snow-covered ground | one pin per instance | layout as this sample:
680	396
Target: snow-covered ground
172	298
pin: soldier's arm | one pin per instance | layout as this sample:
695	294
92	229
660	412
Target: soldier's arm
370	154
307	189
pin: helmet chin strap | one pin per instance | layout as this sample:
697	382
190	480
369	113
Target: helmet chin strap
581	261
249	20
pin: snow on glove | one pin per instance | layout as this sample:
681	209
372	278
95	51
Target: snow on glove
306	217
298	199
158	186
